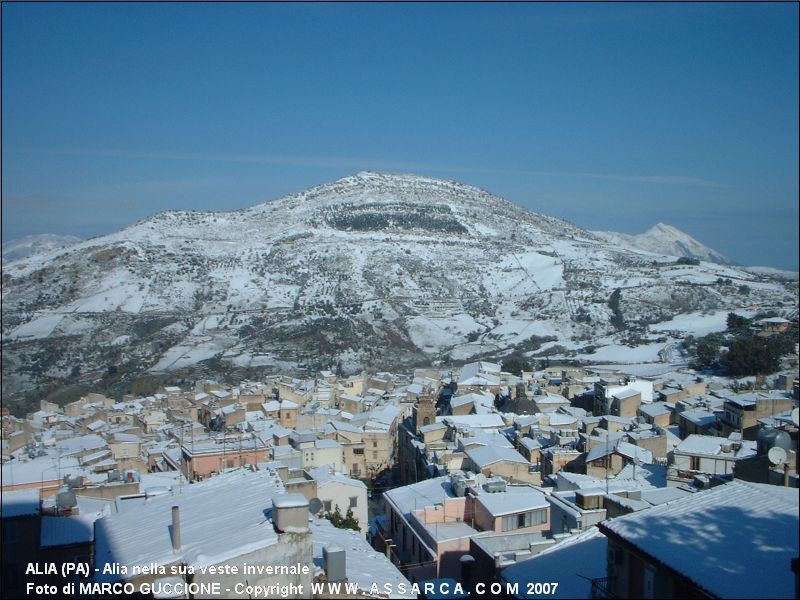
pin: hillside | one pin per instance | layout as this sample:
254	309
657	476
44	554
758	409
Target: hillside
369	271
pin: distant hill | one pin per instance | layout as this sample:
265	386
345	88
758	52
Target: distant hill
372	271
665	239
32	244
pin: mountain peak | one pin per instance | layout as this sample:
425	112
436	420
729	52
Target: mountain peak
663	238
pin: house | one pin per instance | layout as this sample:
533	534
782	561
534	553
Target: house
202	459
773	325
706	455
558	458
518	508
576	510
335	490
494	551
259	524
604	391
699	421
401	534
574	564
742	411
288	414
498	460
549	402
429	525
363	566
605	459
678	549
657	413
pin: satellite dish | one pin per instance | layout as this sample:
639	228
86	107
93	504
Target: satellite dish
314	506
796	417
776	455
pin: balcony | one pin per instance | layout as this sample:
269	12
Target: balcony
601	588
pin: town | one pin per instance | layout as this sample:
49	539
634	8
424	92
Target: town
566	480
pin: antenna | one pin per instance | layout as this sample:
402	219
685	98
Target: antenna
777	455
314	506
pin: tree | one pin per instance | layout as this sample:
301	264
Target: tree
617	319
342	522
515	364
753	355
738	324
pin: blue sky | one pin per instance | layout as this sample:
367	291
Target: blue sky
614	117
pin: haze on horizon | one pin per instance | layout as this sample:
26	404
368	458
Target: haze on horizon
614	117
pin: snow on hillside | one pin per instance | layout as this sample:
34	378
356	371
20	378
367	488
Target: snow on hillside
664	240
374	270
35	244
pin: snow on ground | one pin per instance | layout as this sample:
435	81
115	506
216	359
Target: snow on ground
484	230
698	324
251	360
625	354
40	326
75	324
186	354
120	341
524	274
431	334
465	351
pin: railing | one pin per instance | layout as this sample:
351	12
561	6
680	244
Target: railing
601	588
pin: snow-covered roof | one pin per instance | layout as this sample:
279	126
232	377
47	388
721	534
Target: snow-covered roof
486	420
363	565
20	503
419	495
77	529
457	401
324	476
230	505
715	446
484	456
573	563
735	540
701	417
74	445
48	467
655	409
432	427
515	499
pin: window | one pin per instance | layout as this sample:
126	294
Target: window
374	444
526	519
694	463
358	451
326	505
353	501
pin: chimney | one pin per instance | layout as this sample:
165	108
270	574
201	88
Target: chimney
290	513
467	567
334	562
176	528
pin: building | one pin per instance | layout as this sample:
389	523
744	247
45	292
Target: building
232	519
742	411
736	540
704	455
338	491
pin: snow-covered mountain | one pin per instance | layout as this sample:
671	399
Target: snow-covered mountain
31	244
372	270
664	239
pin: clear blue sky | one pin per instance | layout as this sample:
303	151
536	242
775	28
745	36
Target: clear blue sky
614	116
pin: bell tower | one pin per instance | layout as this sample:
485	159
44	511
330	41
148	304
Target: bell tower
424	411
